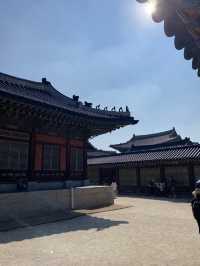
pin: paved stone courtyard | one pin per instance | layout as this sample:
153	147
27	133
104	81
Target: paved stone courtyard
151	232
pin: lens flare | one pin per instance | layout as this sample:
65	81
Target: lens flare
150	7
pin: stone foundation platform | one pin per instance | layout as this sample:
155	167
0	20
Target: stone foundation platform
39	203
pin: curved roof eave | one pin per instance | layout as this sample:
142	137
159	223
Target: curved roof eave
147	136
181	21
44	93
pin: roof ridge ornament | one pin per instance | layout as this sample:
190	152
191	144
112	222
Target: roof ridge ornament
75	98
98	107
43	92
87	104
127	109
45	81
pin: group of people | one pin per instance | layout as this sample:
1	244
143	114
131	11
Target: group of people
166	188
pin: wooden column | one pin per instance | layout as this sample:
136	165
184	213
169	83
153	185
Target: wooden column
162	173
63	157
138	179
191	176
38	157
117	175
117	178
67	171
31	156
85	160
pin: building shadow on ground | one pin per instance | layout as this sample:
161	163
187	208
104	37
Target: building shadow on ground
56	225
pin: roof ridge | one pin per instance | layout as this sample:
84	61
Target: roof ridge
152	150
20	79
167	132
156	134
43	86
191	152
181	146
44	92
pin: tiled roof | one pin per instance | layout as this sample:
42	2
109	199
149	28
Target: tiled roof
148	140
99	153
44	93
92	151
181	20
188	152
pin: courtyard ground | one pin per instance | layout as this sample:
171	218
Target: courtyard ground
150	232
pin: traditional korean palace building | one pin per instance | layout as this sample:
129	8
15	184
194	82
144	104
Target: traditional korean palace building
182	21
44	134
145	157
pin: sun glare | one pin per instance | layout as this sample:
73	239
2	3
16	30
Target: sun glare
150	7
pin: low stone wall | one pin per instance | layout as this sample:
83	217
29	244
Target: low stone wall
92	197
27	204
40	203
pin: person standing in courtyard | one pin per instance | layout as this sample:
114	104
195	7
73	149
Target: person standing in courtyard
196	203
114	187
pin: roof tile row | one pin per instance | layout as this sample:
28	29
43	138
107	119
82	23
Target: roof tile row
173	153
45	93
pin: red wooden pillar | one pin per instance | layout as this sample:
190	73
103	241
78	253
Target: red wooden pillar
77	144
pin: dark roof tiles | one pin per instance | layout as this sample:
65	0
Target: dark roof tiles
189	152
44	93
148	140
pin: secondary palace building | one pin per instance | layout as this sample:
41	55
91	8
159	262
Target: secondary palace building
157	156
44	134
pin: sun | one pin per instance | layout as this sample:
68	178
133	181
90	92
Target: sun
150	7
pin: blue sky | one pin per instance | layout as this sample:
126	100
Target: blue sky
107	52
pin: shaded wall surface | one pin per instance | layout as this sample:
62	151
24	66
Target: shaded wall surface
136	179
37	203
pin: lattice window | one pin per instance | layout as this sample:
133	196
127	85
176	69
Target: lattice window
51	157
13	155
77	159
